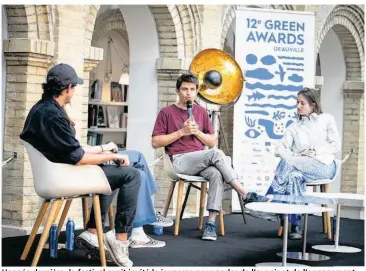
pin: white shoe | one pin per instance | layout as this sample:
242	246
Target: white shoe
150	242
118	249
162	221
89	243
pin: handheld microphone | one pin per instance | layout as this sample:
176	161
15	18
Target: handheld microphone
189	108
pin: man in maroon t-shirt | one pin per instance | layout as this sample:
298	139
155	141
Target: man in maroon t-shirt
184	140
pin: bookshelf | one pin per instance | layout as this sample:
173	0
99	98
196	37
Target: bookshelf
107	113
106	130
92	102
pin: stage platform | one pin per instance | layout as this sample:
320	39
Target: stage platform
243	245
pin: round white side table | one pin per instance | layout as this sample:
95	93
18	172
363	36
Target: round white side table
305	199
285	209
338	197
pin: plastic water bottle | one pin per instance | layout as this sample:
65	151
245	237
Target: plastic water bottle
53	241
158	230
70	234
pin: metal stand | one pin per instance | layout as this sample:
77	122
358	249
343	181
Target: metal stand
303	255
284	249
336	247
213	117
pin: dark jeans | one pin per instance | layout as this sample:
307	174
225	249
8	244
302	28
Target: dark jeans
127	180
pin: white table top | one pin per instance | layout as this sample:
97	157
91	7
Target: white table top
337	195
284	208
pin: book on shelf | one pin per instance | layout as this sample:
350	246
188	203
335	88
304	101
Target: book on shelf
123	120
116	92
113	120
106	92
96	116
125	92
94	139
95	92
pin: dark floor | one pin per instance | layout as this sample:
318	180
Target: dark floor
243	245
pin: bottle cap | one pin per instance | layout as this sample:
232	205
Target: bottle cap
54	224
70	218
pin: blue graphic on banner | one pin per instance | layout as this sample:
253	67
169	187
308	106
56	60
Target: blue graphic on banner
259	73
251	133
278	87
279	97
251	59
279	115
289	107
296	78
288	123
281	72
293	64
256	96
269	126
275	111
259	112
268	60
292	58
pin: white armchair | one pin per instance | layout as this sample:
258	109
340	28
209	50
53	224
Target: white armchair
55	183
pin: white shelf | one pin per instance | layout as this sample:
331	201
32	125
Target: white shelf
107	129
108	103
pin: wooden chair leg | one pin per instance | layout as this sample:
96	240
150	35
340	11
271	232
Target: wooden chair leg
222	226
169	198
64	214
179	207
56	205
85	211
327	216
98	223
324	220
202	204
280	231
111	217
35	228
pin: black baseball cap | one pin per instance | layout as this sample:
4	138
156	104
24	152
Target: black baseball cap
65	74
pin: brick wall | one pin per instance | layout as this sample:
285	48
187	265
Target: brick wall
353	137
27	64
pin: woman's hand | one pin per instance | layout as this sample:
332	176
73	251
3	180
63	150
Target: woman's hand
308	152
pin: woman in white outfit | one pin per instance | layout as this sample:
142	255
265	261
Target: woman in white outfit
308	150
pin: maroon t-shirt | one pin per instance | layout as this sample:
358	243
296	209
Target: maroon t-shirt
172	118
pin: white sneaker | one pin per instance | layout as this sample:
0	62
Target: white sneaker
162	221
89	243
150	242
118	249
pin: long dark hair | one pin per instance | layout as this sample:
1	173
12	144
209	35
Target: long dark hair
312	96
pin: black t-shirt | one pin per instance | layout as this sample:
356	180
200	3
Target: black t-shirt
48	129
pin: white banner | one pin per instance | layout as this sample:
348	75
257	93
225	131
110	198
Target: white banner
276	51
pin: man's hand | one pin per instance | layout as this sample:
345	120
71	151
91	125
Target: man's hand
194	129
111	146
190	128
186	130
122	160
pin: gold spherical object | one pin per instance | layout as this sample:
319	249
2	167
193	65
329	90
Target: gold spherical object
205	64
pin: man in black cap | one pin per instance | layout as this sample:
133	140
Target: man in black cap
49	130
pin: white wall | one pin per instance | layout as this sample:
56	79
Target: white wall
143	90
117	63
333	69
